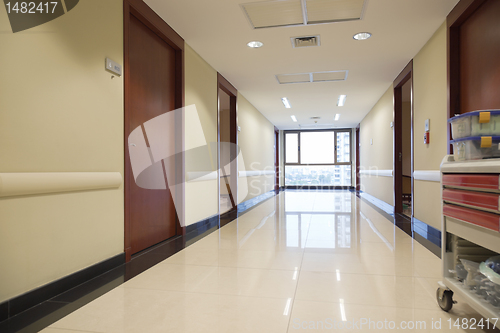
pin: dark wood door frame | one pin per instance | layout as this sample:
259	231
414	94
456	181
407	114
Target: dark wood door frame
277	158
358	162
147	16
229	89
405	76
462	11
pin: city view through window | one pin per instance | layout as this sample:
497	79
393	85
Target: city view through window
318	158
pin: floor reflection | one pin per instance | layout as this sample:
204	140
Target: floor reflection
301	255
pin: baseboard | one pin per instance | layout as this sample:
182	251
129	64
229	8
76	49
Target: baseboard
227	217
23	302
387	208
199	228
423	233
203	225
4	311
246	205
428	236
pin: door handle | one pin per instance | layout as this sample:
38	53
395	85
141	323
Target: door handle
400	156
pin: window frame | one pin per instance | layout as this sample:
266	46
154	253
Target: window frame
336	131
298	145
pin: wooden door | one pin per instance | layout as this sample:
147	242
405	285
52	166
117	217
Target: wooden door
403	79
276	159
151	92
473	52
228	154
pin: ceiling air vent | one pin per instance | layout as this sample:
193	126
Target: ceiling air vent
293	78
325	11
312	77
305	41
329	76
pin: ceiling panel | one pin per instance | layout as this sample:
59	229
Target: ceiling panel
330	76
319	11
293	78
267	14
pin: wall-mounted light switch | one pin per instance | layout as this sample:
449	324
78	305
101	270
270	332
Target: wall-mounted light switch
113	67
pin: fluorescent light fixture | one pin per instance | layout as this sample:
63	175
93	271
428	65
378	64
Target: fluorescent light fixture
337	116
338	274
286	102
255	44
342	99
362	36
294	119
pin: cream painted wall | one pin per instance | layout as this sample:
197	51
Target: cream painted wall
60	111
428	202
201	90
378	156
256	141
430	102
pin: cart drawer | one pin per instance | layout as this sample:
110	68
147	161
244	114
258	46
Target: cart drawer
486	182
483	219
476	199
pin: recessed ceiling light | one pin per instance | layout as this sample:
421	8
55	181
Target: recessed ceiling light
341	101
294	119
362	36
337	117
286	102
255	44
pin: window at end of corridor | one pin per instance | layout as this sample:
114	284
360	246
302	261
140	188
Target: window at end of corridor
318	158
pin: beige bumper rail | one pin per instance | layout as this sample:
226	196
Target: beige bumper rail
16	184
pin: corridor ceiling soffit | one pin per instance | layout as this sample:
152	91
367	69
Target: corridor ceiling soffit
219	31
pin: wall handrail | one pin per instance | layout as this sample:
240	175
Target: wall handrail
205	176
256	173
35	183
378	173
427	175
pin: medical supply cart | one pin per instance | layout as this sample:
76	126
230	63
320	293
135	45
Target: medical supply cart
470	233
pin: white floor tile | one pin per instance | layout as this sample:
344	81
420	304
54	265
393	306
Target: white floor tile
293	263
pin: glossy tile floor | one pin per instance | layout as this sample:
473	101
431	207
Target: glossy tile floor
301	261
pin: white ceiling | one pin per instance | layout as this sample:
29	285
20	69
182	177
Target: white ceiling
219	31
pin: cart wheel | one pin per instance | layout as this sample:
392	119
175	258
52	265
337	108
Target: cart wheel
446	300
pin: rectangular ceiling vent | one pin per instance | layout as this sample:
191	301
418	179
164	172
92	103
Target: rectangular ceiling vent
279	13
306	41
267	14
326	11
330	76
293	78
